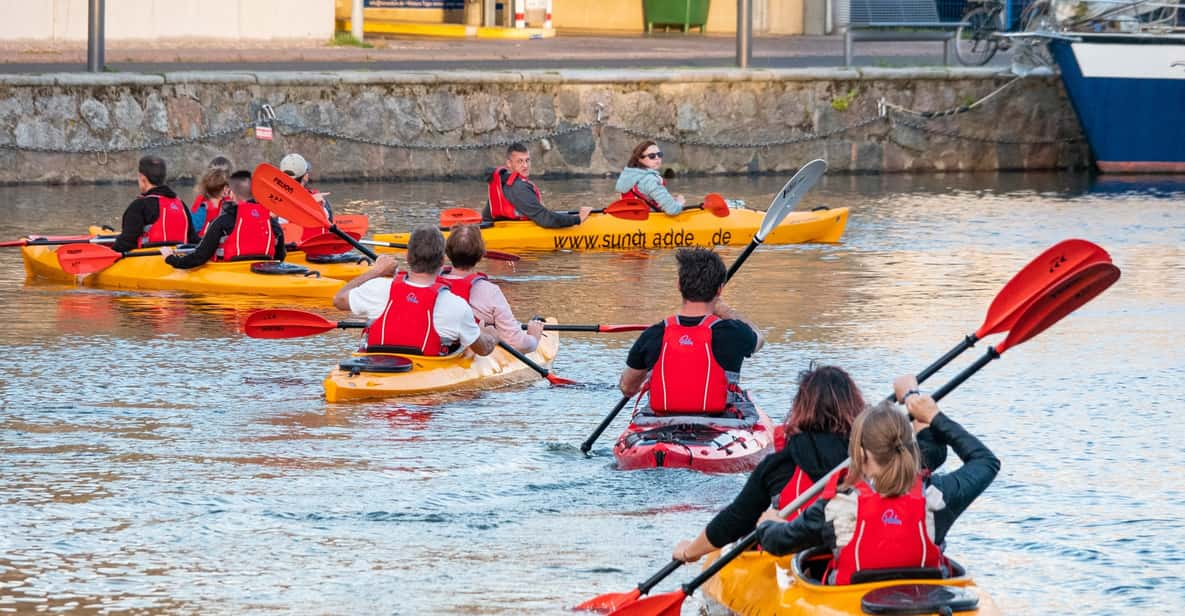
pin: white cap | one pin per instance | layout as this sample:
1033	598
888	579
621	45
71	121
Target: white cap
294	165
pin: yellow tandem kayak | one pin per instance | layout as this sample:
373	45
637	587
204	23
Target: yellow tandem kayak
758	583
434	374
151	272
690	228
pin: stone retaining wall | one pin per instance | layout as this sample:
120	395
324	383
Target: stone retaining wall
93	128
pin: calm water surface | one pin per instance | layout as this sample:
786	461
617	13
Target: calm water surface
154	459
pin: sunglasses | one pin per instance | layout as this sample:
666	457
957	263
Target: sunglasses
653	155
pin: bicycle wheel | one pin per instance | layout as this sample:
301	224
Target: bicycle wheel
974	43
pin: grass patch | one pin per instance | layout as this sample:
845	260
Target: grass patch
345	39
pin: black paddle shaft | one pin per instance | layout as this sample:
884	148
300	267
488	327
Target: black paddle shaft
349	239
967	342
592	438
543	372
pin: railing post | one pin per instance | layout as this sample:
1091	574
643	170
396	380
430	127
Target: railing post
356	20
744	33
95	37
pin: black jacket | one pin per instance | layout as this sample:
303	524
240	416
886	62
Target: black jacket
526	202
959	489
220	228
143	212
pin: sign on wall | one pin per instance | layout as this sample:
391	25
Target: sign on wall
450	5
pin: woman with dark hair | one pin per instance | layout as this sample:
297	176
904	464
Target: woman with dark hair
641	180
816	441
206	204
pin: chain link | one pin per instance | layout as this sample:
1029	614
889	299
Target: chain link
803	138
297	128
953	134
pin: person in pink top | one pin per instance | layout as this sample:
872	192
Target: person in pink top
465	247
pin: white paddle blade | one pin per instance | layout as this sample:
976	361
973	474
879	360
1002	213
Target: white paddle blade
790	195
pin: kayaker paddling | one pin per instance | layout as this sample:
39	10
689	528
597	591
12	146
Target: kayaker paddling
514	197
414	313
465	249
641	180
157	217
243	231
884	515
816	440
207	206
693	358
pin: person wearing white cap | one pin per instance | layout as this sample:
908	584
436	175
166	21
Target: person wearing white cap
297	167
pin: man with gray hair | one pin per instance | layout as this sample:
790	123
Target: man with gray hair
414	313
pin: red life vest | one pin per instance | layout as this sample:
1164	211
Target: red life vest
462	287
687	379
406	323
171	226
890	533
251	237
634	193
212	210
800	482
500	207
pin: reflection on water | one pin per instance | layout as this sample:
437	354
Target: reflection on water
154	459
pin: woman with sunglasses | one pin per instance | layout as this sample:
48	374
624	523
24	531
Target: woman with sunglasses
642	180
812	441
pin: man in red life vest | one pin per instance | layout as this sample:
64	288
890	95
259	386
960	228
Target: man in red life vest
415	313
244	230
693	358
157	217
513	197
298	168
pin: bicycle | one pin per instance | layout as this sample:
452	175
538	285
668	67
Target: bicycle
976	43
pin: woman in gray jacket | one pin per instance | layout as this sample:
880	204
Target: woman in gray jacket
641	180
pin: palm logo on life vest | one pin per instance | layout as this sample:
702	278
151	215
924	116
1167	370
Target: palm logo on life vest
412	299
889	517
685	340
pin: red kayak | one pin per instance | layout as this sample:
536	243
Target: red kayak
706	444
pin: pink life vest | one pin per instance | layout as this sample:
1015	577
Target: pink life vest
406	325
687	379
462	287
171	226
500	207
251	237
890	533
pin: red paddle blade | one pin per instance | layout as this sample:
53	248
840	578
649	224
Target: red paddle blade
284	196
628	209
616	329
716	204
324	244
354	224
498	255
82	259
292	232
1065	297
285	323
1055	264
559	380
603	604
666	604
459	216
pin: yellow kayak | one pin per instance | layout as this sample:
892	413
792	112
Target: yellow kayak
758	583
151	272
690	228
433	374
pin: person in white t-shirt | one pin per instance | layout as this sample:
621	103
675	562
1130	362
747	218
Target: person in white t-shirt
399	307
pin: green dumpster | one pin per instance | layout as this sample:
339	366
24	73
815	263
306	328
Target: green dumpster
685	13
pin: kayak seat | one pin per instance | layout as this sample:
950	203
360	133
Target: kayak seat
725	422
811	565
283	269
919	599
402	350
344	257
385	364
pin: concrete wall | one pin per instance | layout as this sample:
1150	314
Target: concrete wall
66	20
87	128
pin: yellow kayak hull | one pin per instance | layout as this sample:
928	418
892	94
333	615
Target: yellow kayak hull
758	583
437	374
153	273
689	228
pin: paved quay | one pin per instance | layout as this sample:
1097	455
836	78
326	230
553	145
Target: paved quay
422	54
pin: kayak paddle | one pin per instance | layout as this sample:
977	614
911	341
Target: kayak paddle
280	193
1059	301
601	329
325	244
83	259
287	323
543	372
783	204
57	240
354	224
1055	264
496	255
459	216
629	208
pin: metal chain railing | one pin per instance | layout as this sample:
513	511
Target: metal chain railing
888	112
